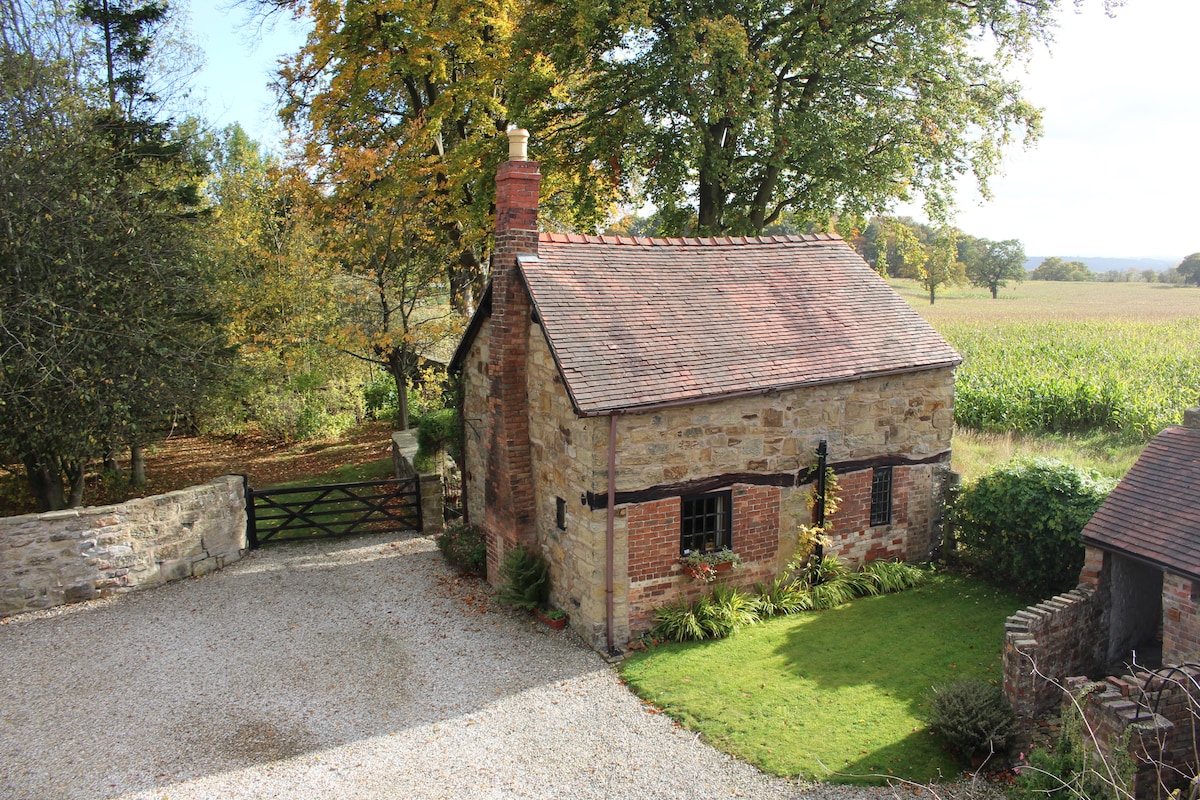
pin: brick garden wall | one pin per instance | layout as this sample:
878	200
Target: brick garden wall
78	554
1152	715
1045	643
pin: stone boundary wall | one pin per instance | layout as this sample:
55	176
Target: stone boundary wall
1045	643
1152	715
404	452
74	555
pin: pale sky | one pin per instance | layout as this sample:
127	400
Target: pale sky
1116	174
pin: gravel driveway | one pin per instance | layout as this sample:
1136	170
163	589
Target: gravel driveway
341	669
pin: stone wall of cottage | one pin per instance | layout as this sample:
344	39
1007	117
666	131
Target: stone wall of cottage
910	414
1043	644
569	456
1152	716
78	554
905	416
475	387
1181	620
916	509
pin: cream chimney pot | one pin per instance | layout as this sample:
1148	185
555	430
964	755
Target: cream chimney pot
518	138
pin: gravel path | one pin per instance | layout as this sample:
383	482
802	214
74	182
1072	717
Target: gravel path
354	669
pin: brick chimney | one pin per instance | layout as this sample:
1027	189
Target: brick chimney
509	518
1191	418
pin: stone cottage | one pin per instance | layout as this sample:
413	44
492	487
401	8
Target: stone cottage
627	399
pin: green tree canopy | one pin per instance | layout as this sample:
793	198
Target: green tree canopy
730	114
992	265
1189	268
105	328
1055	269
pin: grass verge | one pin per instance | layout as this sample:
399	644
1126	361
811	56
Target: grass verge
838	695
1110	454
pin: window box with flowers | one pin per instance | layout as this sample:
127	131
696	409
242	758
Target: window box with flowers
704	567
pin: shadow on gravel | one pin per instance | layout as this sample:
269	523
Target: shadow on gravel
294	650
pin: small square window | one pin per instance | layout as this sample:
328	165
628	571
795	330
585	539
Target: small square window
560	513
706	522
881	496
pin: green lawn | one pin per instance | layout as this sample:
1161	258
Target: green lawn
834	695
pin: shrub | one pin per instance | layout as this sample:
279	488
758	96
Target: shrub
894	576
973	716
525	577
1070	771
437	432
1020	523
379	397
464	546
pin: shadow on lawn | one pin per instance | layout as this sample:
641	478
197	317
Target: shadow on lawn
897	647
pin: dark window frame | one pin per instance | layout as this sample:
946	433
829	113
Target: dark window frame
881	496
560	513
704	518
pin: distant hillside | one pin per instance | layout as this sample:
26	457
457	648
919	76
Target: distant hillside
1102	265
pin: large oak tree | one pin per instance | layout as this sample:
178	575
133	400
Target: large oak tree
731	114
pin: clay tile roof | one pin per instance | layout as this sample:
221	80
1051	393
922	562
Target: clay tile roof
679	320
1153	514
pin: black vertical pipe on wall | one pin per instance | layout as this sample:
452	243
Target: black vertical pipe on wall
822	462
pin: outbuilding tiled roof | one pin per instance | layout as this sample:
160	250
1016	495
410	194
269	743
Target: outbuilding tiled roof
641	322
1153	514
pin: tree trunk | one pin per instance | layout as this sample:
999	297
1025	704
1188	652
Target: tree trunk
111	465
396	367
75	472
46	485
137	466
995	290
932	290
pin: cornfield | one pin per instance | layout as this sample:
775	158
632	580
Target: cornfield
1025	370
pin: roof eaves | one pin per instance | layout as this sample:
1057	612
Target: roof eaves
638	408
521	262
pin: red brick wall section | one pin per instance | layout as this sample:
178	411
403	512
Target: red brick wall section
854	540
509	480
1152	715
1181	621
1093	565
655	576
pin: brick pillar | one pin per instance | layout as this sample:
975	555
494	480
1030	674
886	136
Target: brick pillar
509	515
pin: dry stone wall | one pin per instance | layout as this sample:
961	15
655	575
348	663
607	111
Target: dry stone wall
78	554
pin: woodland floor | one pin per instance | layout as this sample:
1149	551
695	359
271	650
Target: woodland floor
181	461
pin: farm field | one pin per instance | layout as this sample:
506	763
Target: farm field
1091	369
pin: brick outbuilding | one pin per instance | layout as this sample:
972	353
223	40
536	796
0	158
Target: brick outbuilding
625	399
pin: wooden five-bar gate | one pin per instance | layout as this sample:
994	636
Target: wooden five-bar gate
331	510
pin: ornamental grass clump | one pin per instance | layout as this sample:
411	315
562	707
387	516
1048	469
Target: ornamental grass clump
713	616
